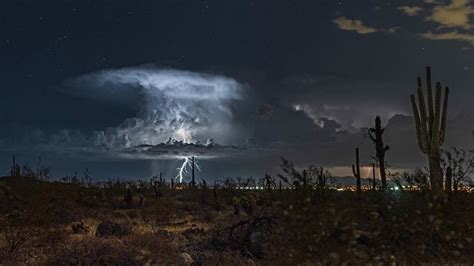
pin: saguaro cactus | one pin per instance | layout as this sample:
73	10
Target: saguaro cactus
449	180
375	135
374	182
321	179
430	125
15	169
356	171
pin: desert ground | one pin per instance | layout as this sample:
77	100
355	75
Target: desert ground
120	223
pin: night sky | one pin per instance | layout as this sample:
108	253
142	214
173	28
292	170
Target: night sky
243	82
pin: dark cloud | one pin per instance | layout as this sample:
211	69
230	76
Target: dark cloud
173	149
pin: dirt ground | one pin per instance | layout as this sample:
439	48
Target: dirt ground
52	223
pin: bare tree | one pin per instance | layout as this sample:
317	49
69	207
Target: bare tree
461	162
416	179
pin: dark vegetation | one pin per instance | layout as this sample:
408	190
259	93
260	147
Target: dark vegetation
300	217
68	224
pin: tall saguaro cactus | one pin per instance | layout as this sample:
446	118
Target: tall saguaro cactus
356	171
376	135
430	122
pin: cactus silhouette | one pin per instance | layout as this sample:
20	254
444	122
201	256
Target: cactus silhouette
321	179
449	179
356	171
193	179
15	170
376	135
430	123
374	182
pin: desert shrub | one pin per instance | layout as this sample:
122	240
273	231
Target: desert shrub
95	251
19	238
377	227
152	249
108	228
80	228
230	258
159	212
133	214
246	233
60	210
16	233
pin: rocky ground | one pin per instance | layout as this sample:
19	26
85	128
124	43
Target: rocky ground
45	223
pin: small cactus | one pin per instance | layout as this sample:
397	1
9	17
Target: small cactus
356	171
321	179
158	183
15	170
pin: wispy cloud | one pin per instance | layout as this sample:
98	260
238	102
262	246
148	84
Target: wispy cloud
433	2
449	36
450	20
452	17
410	10
356	25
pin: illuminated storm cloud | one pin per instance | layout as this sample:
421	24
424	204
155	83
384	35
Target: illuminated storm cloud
176	104
178	149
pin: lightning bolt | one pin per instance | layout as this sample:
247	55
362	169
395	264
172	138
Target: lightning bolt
183	170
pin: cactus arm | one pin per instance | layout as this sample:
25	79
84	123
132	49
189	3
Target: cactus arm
371	136
435	134
423	116
430	95
422	142
444	116
425	126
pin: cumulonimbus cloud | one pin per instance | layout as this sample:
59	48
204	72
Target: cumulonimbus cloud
176	104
